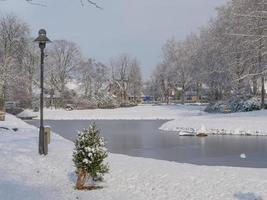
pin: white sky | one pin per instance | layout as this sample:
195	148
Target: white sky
136	27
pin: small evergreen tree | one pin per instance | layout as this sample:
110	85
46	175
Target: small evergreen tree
88	157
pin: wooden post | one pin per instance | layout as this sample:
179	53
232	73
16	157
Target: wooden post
47	133
2	116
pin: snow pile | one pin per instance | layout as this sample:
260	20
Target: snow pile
27	176
26	114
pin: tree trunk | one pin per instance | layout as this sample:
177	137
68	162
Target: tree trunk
90	89
81	180
82	177
86	90
31	91
183	94
4	92
261	67
262	92
255	86
198	95
167	97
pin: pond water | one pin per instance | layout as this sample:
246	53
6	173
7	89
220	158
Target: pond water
143	139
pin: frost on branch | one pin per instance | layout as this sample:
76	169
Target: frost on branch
88	156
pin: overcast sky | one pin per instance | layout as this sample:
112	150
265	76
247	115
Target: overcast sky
136	27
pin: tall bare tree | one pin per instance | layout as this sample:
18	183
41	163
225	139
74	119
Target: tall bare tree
135	80
13	37
125	71
63	59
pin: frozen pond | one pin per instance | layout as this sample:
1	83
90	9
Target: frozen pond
143	139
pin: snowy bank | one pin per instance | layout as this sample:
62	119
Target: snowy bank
27	114
26	175
141	112
250	123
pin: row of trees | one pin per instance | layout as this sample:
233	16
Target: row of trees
64	64
14	57
227	57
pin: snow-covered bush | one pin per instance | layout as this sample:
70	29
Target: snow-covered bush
251	104
89	155
238	104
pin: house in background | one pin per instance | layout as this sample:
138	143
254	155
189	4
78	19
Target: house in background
118	89
194	96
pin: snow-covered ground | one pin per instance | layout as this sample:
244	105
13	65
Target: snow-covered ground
26	175
250	123
145	112
189	118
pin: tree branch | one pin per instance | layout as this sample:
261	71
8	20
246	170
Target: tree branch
33	2
93	3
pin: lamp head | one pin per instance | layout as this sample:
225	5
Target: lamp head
42	39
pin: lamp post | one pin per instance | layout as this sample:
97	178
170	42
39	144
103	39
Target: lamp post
42	40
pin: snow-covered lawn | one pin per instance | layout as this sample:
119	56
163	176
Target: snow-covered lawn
184	118
25	175
146	112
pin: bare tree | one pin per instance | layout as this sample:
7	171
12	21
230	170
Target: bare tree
101	76
251	18
86	75
63	58
120	69
13	35
135	80
177	56
161	82
30	64
125	71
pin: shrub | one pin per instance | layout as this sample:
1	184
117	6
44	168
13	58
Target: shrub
238	104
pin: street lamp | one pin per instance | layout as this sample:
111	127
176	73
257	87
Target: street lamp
42	40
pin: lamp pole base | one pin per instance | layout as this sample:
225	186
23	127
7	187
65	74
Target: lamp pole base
43	144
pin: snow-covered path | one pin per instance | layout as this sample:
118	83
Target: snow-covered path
26	175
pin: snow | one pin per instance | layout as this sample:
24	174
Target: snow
26	114
243	156
141	112
186	133
26	175
249	123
